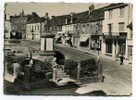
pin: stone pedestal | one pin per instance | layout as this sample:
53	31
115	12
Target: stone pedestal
47	45
43	46
27	76
78	70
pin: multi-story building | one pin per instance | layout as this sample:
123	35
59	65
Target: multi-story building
116	20
7	27
45	24
36	26
18	25
129	41
59	24
89	26
33	30
84	27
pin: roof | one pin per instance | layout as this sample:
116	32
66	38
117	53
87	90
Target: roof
97	14
32	19
82	17
115	5
60	20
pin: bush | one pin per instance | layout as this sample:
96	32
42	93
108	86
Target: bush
70	67
87	67
60	57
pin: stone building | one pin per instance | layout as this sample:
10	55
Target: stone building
90	26
37	26
18	25
7	27
116	20
129	39
33	30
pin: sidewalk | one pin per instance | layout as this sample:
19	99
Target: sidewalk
117	77
95	53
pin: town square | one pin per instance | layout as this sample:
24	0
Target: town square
85	49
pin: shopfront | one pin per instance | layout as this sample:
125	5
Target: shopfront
84	40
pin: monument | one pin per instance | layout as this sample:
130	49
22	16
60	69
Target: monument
47	45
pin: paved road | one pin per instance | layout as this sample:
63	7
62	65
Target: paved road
118	78
73	53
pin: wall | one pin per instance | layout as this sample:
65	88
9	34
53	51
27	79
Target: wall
115	20
69	28
36	28
7	29
18	24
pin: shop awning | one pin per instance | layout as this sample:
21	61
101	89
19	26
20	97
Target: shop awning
83	39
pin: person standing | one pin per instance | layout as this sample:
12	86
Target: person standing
121	59
100	69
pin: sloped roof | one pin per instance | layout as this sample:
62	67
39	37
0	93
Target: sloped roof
60	20
115	5
31	19
97	14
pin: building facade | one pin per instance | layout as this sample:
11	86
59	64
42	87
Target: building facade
33	31
115	29
129	41
90	27
7	27
37	26
18	25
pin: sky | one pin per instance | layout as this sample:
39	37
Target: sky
53	9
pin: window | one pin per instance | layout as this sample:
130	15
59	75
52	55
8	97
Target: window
110	29
131	34
110	14
35	27
32	27
109	47
122	10
121	27
130	51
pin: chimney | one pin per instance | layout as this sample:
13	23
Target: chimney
91	8
71	17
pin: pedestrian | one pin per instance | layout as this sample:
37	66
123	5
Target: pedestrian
70	42
121	59
100	69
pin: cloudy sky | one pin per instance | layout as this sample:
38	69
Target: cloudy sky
52	8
